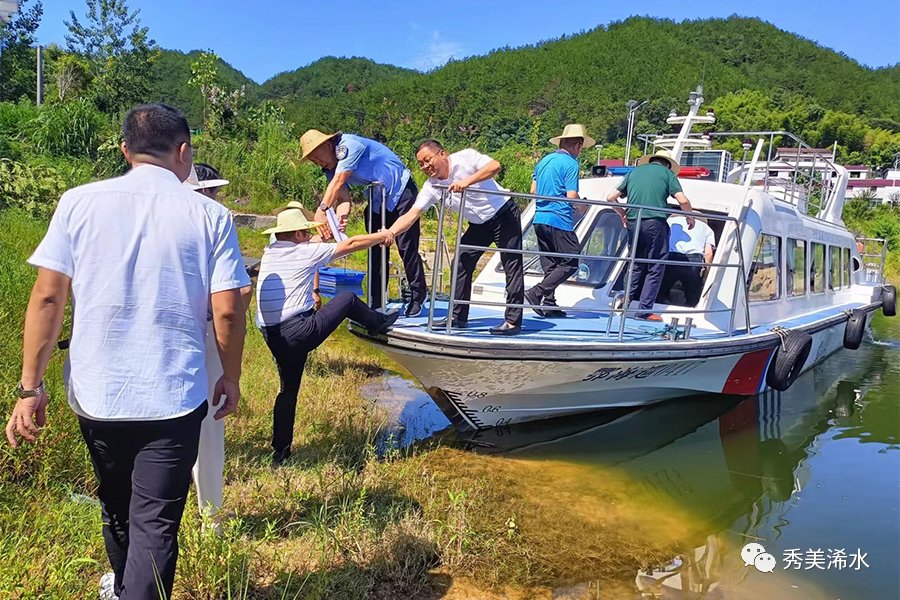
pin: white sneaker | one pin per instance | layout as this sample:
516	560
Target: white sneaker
107	587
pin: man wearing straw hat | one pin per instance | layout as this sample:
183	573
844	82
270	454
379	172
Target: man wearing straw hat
554	222
348	159
649	185
285	309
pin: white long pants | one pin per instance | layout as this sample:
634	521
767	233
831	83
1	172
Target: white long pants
210	466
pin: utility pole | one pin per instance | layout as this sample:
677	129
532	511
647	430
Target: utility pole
40	75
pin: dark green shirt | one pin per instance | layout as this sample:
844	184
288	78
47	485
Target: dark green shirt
649	185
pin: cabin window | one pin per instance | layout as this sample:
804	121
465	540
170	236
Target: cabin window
796	263
765	282
817	269
834	268
607	237
846	270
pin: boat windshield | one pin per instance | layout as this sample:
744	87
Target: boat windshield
606	237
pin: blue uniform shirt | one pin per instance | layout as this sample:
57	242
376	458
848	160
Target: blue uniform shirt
370	161
555	175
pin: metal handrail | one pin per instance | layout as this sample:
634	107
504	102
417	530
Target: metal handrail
828	184
631	259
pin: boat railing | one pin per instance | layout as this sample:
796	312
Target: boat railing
631	259
811	186
873	254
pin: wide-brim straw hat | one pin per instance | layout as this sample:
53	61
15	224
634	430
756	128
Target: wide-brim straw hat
574	130
312	139
195	184
292	218
664	154
294	204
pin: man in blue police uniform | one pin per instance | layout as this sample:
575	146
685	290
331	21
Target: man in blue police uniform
554	224
354	160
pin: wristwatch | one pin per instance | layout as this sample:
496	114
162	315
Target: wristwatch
316	291
323	207
23	393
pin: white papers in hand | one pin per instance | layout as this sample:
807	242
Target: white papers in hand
333	222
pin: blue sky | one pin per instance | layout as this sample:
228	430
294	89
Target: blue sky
269	36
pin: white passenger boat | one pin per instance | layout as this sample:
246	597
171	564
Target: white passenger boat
789	285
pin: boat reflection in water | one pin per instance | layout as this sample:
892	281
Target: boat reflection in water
738	467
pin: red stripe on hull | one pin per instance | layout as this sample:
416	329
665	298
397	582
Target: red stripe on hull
747	373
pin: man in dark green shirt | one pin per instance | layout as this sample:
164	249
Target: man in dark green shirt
650	185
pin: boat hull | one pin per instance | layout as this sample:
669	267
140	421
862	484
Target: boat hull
480	392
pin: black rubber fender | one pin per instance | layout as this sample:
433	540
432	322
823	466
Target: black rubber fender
790	356
889	301
855	329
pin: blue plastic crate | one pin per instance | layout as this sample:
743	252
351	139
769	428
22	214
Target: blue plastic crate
332	276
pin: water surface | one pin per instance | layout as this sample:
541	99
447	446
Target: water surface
813	472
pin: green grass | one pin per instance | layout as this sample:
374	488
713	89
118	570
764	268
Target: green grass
338	521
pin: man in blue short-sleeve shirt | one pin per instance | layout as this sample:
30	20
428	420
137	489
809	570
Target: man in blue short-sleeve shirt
348	159
554	223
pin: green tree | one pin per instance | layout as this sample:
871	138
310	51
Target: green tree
120	52
17	57
71	77
204	76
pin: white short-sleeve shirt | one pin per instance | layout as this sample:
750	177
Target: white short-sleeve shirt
144	254
287	272
480	206
689	241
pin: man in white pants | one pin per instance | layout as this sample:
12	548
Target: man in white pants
209	469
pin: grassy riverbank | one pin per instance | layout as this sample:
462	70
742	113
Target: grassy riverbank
338	521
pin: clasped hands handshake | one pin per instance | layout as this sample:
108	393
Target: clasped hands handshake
388	237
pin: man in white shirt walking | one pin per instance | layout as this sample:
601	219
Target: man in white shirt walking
144	257
694	246
493	219
285	308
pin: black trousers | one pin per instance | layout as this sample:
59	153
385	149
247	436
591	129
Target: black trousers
652	243
291	342
690	274
505	230
144	470
556	270
407	246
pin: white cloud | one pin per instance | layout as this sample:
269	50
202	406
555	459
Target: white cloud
438	53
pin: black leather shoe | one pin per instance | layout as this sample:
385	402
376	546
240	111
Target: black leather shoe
279	457
554	313
413	309
533	297
388	320
455	324
506	328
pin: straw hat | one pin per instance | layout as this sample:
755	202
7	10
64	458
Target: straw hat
574	130
195	184
664	154
312	139
294	204
292	219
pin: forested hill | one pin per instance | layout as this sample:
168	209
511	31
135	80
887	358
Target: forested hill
329	77
588	77
170	76
788	81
